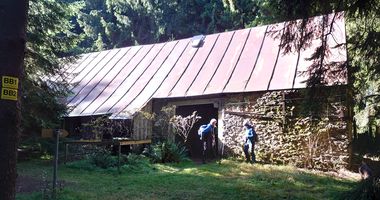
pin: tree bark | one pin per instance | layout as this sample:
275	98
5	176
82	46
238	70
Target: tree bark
13	15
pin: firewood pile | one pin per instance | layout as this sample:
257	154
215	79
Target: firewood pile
300	141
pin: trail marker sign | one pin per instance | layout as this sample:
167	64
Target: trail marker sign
9	86
9	94
49	133
9	82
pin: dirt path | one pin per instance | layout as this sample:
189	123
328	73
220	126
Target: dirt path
29	184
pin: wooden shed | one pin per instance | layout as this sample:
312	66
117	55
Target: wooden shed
231	76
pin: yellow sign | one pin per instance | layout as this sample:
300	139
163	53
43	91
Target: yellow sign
9	82
9	94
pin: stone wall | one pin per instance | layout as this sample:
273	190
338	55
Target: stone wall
285	136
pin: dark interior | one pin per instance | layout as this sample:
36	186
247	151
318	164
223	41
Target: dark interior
207	112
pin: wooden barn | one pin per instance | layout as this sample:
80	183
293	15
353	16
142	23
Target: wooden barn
230	76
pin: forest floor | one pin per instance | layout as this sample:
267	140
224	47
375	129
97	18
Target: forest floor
28	184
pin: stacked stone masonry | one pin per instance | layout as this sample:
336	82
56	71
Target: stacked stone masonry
284	136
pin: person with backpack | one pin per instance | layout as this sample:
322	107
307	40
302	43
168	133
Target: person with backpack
250	138
206	133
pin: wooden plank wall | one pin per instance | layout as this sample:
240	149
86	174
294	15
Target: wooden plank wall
142	127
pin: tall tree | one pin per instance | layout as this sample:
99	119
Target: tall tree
119	23
50	37
116	23
13	15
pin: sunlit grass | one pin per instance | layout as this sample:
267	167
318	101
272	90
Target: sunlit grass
228	179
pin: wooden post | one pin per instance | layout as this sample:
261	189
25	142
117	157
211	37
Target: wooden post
118	158
66	152
56	134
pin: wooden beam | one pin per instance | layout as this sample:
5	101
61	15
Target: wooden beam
117	142
130	142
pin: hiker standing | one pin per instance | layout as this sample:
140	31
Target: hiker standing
206	133
250	137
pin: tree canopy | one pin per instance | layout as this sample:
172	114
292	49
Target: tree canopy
118	23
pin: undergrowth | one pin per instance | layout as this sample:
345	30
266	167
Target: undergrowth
166	152
107	162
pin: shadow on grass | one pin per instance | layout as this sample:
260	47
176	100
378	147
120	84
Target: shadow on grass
272	182
227	180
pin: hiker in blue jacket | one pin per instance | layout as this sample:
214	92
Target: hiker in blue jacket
249	142
206	133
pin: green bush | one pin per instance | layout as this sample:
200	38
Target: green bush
82	165
103	159
137	163
166	152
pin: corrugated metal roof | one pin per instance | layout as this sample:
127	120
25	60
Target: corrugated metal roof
121	81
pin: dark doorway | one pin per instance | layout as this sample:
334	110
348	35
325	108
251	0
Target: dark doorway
207	112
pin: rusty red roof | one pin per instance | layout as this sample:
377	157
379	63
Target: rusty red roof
121	81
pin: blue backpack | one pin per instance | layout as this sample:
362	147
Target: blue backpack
201	129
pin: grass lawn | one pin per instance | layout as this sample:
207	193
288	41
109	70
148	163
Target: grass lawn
227	180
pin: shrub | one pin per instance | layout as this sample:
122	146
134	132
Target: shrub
183	125
105	160
137	163
166	152
83	164
103	128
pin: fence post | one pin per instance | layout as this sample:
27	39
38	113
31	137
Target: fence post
118	158
66	152
56	135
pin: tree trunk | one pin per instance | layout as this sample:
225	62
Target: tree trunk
13	15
